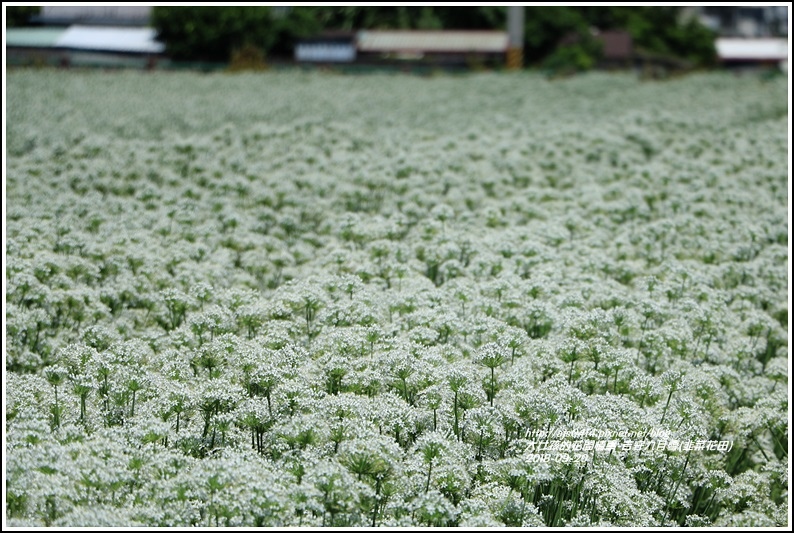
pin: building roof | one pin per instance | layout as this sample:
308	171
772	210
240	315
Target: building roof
33	37
102	15
737	49
432	41
111	39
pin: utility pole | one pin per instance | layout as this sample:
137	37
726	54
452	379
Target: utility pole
515	37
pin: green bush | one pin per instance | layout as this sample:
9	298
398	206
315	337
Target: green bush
579	55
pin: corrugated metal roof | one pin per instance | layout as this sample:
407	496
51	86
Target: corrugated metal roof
33	37
729	49
432	41
111	39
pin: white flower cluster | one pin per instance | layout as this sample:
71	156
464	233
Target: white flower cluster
292	299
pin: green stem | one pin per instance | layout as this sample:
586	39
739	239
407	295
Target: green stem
455	409
678	484
664	413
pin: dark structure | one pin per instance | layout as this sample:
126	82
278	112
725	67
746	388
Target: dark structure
339	47
617	49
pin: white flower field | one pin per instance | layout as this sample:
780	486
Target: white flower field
308	299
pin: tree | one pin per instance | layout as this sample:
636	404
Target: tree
20	15
304	21
659	30
654	29
545	26
472	18
212	33
297	23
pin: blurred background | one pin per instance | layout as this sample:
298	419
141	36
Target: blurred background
653	40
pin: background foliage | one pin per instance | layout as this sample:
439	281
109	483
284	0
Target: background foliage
212	32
